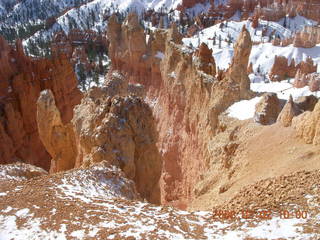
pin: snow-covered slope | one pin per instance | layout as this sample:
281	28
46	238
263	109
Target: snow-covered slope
29	18
34	10
245	109
262	54
98	203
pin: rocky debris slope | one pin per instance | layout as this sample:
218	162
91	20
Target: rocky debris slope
106	127
282	193
185	94
100	203
21	81
289	196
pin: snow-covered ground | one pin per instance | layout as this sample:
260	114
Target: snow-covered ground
262	55
245	109
100	203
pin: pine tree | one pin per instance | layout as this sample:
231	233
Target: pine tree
81	75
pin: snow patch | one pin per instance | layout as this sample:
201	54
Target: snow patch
160	55
244	109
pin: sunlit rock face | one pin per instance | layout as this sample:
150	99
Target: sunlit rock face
282	69
185	95
307	125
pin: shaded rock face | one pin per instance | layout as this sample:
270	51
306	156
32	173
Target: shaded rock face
186	101
206	61
115	129
268	109
307	125
306	103
57	138
21	80
271	109
116	84
281	69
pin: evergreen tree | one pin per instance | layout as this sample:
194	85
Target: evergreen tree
81	75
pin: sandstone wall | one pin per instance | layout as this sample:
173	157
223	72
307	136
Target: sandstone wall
185	95
21	80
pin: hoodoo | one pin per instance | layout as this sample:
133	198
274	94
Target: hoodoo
21	80
153	119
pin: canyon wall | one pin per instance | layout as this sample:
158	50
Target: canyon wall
21	80
119	130
185	95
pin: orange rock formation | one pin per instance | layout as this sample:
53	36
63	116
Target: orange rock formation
57	138
289	111
118	130
186	100
281	69
307	125
268	109
21	81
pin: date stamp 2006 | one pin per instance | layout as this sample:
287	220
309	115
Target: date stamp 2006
258	214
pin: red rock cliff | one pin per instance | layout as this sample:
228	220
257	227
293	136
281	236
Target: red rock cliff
21	80
186	98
